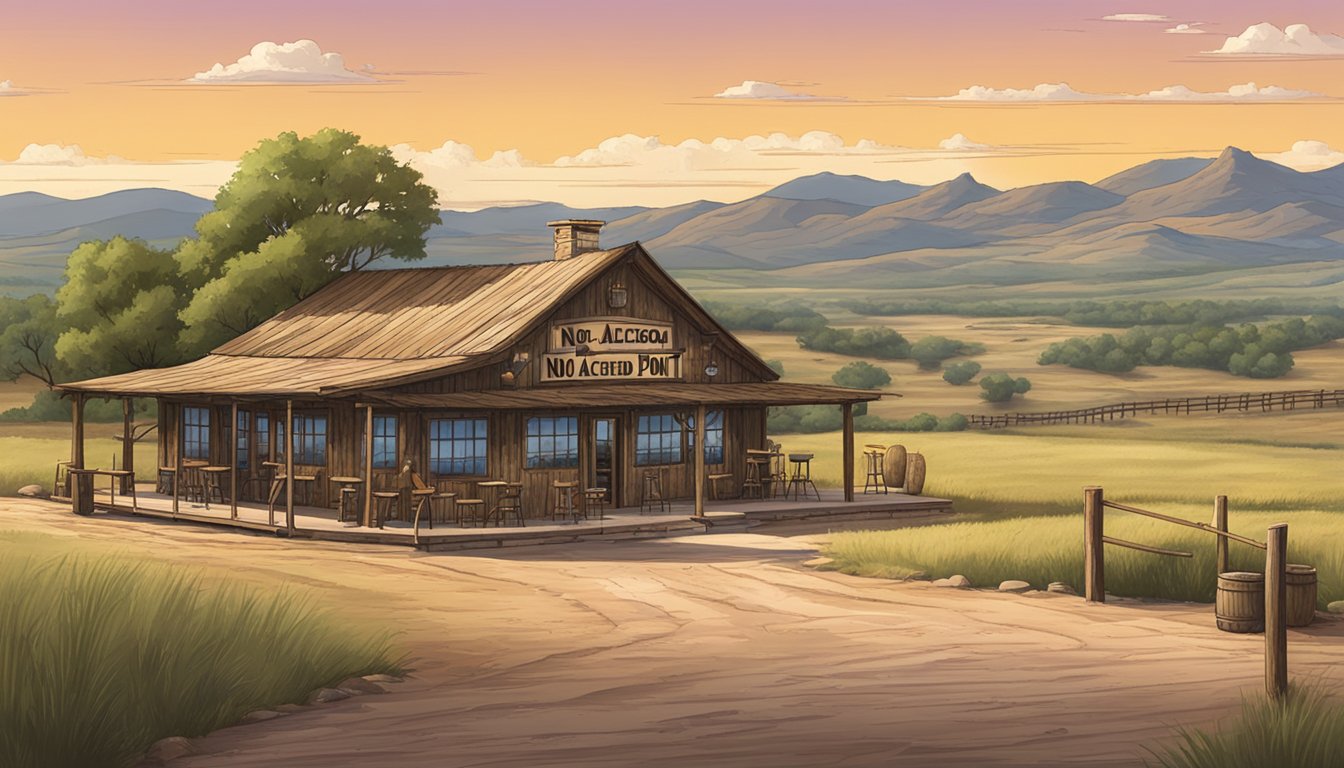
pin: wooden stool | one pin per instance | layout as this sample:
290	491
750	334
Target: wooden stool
715	492
472	507
384	503
420	498
167	477
511	501
436	509
777	481
802	476
873	456
758	467
563	501
652	493
595	497
348	506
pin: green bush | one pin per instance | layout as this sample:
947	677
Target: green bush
102	656
931	351
776	365
861	375
761	317
961	373
50	406
1108	314
879	343
1000	387
812	419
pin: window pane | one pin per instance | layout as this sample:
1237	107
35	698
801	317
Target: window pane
552	442
457	446
658	440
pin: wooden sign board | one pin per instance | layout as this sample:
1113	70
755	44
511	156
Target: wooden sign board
611	366
611	334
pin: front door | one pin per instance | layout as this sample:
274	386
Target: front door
604	450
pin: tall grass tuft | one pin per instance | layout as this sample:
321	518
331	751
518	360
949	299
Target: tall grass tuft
1306	730
1043	549
103	655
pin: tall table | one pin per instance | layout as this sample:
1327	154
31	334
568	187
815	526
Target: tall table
349	486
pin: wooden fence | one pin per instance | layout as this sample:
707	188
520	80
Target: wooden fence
1264	402
1276	557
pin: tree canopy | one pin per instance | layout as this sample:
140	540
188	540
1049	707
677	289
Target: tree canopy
861	375
28	331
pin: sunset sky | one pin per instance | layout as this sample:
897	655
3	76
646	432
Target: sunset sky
593	102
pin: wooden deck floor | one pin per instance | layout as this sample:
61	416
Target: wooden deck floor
727	515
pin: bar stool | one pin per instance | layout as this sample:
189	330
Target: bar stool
715	492
420	503
466	508
349	505
595	497
562	504
384	504
758	469
873	456
777	481
652	493
801	477
167	477
511	501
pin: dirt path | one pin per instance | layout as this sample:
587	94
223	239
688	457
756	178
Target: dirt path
720	651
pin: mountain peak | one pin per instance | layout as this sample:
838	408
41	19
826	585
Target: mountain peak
858	190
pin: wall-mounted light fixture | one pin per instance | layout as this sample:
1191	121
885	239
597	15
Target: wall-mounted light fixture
509	377
707	344
617	295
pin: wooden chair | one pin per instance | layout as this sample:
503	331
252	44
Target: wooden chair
469	508
385	504
427	497
511	502
652	493
715	491
562	500
595	498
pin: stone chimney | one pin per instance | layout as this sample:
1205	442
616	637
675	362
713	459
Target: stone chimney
575	236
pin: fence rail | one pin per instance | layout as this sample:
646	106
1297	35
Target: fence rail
1265	402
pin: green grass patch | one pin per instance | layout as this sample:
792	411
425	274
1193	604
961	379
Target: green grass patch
102	654
29	459
1050	548
1306	730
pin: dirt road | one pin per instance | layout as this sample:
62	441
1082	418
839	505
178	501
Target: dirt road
719	651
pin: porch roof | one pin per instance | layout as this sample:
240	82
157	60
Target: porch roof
628	395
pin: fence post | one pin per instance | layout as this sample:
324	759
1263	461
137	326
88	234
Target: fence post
1220	522
1094	563
1276	622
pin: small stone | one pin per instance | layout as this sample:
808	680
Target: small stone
170	748
918	576
818	562
1336	607
261	716
1014	585
957	582
33	491
358	686
327	696
1061	588
383	678
285	709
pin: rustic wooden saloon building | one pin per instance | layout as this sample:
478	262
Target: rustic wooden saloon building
593	367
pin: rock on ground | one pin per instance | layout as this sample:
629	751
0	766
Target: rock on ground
1061	588
261	716
1336	607
170	748
33	491
326	696
1014	585
383	678
958	581
358	686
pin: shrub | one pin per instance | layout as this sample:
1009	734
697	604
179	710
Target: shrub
1000	387
879	343
931	351
961	373
1305	730
760	317
776	365
861	375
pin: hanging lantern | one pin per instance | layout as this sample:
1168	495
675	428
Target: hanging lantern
617	295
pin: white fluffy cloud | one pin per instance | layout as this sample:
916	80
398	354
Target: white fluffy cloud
7	88
958	142
1062	92
59	154
1193	28
299	62
765	91
1135	17
1265	39
1308	156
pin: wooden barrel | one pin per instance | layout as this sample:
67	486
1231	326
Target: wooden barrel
893	467
1240	605
914	474
1300	607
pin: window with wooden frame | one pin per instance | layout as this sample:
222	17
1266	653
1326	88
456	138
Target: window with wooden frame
261	425
658	440
713	436
384	441
195	433
310	438
458	446
552	442
243	434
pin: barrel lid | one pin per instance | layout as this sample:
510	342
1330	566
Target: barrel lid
1242	576
1296	568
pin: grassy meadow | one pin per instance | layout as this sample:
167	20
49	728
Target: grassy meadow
103	653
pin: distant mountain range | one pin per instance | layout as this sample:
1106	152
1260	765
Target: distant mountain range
1163	218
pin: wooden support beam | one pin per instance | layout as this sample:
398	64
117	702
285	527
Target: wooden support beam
77	431
289	465
177	454
1145	547
127	444
368	467
700	461
1276	620
847	472
233	464
1220	523
1094	550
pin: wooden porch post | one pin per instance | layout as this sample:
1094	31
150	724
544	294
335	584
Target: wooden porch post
127	443
1276	620
177	455
848	477
289	465
233	465
700	460
77	431
1094	551
368	466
